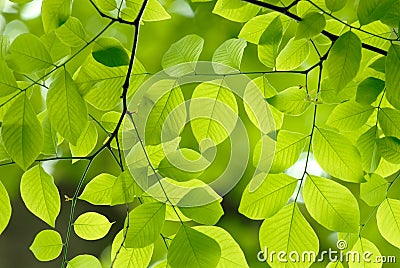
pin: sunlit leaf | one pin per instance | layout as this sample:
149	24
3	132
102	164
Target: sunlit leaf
5	207
55	13
47	245
235	10
393	75
294	54
229	53
109	52
389	121
72	32
98	191
366	260
366	144
388	218
84	261
310	25
335	5
369	90
292	100
350	115
372	10
91	226
389	148
8	83
269	42
373	192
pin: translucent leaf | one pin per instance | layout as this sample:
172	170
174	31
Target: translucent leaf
91	226
155	12
344	60
40	194
110	52
373	192
55	13
393	75
335	5
388	218
369	89
379	65
336	264
235	10
106	5
386	168
366	260
229	53
130	257
28	54
350	115
67	109
310	25
389	148
72	32
5	208
183	53
213	112
389	121
145	224
262	157
200	250
47	245
84	261
288	231
8	83
372	10
294	54
368	148
254	28
167	115
50	136
57	49
231	254
331	204
22	132
269	198
86	142
124	189
269	42
98	190
337	156
292	101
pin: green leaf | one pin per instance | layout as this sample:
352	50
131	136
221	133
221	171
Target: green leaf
55	13
84	261
67	109
379	65
130	257
288	149
310	25
269	43
5	208
40	194
22	132
145	224
389	121
50	136
369	89
72	33
110	52
47	245
294	54
208	213
337	156
292	101
155	12
368	148
28	54
213	112
335	5
344	60
388	221
254	28
389	148
262	155
272	195
231	254
393	75
288	231
336	264
98	190
124	189
106	5
373	192
86	142
183	55
200	250
55	46
8	83
229	53
362	246
331	204
372	10
350	115
168	114
91	226
235	10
